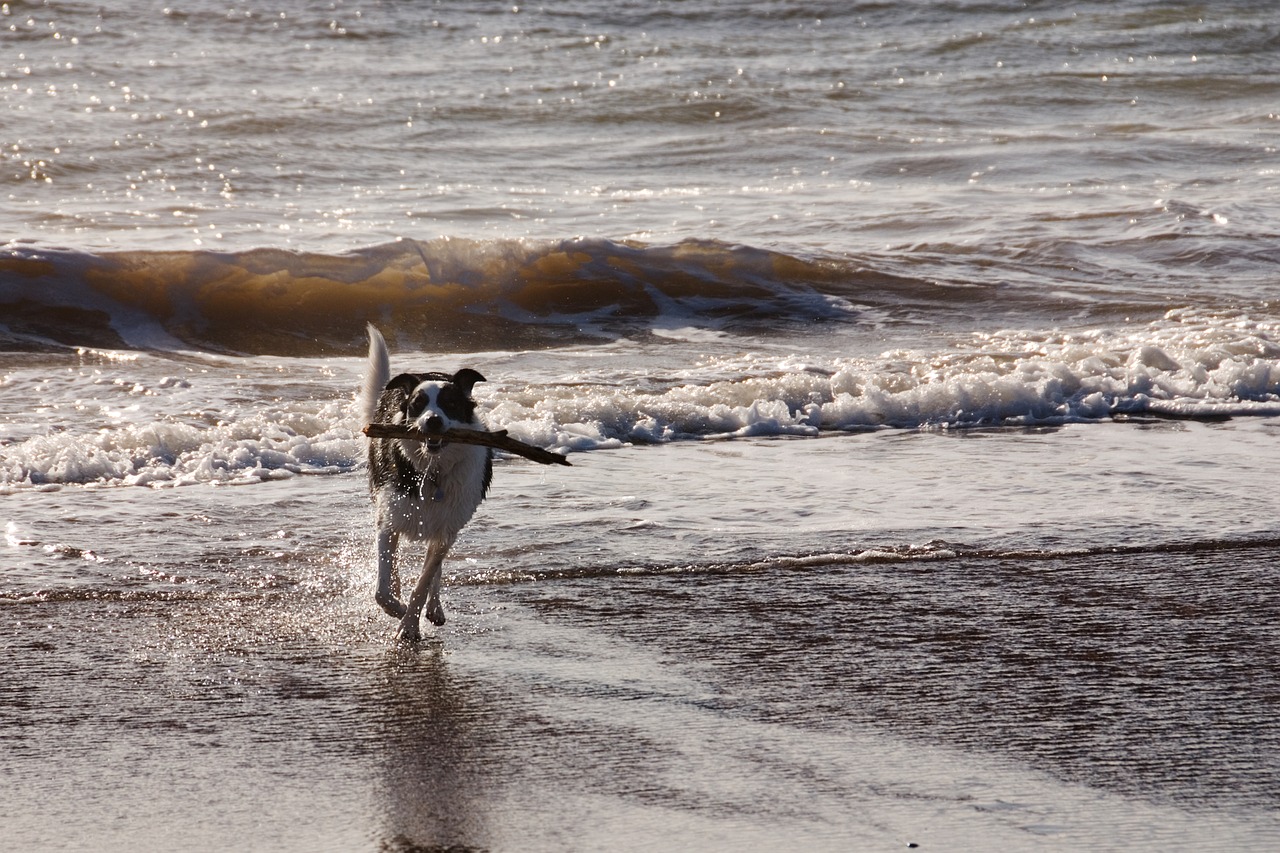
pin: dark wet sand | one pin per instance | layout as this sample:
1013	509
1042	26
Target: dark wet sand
1106	701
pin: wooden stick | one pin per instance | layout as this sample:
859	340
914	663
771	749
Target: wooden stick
498	438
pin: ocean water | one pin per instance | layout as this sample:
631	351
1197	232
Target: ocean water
919	364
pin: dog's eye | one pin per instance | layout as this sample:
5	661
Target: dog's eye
416	405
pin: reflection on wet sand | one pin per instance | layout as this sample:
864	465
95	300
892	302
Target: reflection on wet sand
431	751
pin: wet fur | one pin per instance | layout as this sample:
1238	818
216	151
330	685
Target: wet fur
417	494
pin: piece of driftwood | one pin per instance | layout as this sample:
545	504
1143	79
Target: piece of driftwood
497	439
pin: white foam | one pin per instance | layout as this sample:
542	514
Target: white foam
143	422
1183	366
148	421
174	454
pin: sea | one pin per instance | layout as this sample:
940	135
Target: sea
918	364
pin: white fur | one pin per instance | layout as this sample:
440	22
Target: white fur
376	376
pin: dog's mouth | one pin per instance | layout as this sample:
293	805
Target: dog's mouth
434	434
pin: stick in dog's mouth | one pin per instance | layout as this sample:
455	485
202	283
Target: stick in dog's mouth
496	438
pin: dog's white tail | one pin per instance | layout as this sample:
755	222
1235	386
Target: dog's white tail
376	376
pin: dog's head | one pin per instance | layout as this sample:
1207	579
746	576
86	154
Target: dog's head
435	402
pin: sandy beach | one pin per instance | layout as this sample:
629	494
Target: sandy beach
944	696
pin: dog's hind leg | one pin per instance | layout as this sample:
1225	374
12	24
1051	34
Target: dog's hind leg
388	592
426	593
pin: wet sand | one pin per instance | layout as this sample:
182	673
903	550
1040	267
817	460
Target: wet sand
1032	711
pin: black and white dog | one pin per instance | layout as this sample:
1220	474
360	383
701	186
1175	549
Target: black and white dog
426	491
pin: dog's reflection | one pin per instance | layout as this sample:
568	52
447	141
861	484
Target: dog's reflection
433	750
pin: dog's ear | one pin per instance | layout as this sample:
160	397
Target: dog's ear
466	379
400	389
404	383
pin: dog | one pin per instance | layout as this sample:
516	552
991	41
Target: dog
424	491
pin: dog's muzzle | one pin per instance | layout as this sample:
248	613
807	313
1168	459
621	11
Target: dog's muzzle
435	424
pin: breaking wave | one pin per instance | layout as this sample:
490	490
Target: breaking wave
459	295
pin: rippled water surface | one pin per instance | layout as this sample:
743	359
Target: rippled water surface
998	129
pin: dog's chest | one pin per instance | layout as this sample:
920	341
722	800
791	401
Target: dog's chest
431	496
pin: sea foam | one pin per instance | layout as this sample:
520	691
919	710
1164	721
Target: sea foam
137	422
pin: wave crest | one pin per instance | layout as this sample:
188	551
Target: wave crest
459	295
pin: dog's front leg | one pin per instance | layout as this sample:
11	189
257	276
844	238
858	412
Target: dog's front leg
388	592
427	592
435	565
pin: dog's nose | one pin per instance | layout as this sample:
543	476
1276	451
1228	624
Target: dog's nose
435	424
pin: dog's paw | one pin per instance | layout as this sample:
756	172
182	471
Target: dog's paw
435	613
408	631
390	604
